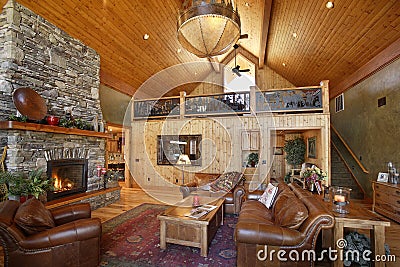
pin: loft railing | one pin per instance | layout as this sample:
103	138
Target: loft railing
238	102
301	99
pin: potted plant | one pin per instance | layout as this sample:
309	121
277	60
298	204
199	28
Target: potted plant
295	151
16	184
252	159
38	184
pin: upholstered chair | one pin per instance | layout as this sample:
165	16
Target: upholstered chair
32	235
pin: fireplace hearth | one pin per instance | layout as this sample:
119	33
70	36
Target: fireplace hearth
70	177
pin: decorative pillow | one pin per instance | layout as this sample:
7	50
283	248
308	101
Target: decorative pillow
290	211
33	217
268	197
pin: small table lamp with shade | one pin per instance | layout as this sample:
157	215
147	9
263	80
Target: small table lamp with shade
183	160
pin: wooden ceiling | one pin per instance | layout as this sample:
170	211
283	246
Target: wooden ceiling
335	44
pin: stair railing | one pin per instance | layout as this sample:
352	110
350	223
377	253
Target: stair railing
349	150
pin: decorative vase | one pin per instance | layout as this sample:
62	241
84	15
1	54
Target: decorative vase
52	120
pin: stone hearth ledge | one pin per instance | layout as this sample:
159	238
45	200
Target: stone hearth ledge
96	199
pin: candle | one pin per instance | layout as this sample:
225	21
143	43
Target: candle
339	198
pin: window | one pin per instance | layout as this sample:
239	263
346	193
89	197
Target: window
235	83
339	103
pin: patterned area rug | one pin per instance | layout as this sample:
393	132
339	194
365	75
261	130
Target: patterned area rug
132	239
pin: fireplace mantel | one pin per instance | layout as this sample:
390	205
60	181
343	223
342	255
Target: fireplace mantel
16	125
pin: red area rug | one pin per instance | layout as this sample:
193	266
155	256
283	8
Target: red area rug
132	239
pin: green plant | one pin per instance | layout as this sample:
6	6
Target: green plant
252	159
37	183
18	118
17	185
295	150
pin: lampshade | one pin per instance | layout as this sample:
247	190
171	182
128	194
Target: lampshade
183	160
208	28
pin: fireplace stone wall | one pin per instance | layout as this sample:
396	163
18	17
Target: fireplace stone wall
65	72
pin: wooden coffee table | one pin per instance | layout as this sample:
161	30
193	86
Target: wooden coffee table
177	228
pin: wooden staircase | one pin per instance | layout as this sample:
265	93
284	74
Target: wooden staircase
341	176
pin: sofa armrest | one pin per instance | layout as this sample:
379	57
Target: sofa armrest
71	213
255	195
238	197
79	230
265	234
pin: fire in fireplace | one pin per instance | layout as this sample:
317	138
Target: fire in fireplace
69	175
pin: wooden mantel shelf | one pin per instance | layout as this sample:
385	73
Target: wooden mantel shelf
16	125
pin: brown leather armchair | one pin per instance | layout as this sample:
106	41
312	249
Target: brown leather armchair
74	241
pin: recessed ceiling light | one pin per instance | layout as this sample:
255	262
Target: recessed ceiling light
294	35
179	50
284	64
247	4
329	5
110	129
146	36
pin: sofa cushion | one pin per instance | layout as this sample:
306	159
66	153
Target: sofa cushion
268	197
33	217
289	211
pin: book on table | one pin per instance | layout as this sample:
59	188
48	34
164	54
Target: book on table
200	211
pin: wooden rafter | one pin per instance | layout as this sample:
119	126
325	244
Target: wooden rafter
264	32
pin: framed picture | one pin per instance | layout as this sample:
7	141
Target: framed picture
383	177
311	147
278	150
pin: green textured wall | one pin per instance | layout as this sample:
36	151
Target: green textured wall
372	133
113	104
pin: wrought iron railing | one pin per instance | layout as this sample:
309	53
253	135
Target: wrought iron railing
304	99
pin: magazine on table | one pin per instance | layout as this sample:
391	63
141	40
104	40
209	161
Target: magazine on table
200	211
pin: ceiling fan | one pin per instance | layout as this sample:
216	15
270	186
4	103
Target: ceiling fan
237	69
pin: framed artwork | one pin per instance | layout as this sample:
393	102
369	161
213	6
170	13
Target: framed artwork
312	147
383	177
278	150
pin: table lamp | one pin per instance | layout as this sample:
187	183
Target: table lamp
183	160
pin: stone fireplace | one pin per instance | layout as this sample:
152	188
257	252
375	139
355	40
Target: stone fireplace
65	72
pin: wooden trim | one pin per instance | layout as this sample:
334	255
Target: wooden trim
116	84
264	32
349	149
16	125
384	58
114	125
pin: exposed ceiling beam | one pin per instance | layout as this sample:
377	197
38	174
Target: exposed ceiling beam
384	58
264	32
116	84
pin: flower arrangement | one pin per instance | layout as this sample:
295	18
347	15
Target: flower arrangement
314	174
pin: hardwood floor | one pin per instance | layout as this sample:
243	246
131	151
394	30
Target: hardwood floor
133	197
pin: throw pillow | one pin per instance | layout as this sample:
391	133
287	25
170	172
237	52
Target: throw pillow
268	197
33	217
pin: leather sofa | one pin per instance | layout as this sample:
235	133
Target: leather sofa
292	223
201	186
74	239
